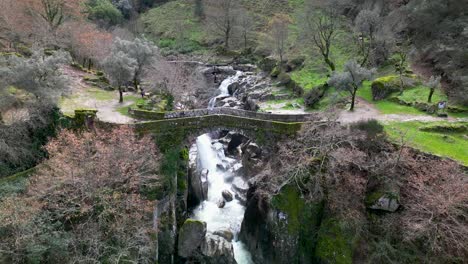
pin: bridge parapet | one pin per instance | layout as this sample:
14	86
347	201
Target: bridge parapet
151	115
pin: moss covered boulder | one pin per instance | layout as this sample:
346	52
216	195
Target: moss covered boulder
384	86
191	236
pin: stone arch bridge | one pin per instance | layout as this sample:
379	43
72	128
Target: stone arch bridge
178	126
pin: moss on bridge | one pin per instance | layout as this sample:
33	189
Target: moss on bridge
172	132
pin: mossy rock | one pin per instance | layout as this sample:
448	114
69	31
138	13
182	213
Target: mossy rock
446	128
268	64
275	72
295	63
383	200
336	244
385	86
191	235
297	225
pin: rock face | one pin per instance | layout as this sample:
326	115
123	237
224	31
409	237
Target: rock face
191	236
216	249
196	244
252	158
274	231
384	201
197	184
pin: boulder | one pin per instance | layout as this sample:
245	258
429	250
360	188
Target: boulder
226	234
191	237
385	86
227	195
233	87
197	185
383	201
221	203
251	150
240	186
250	104
215	249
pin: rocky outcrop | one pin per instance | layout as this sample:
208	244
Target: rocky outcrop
198	245
191	237
215	249
197	183
252	159
283	229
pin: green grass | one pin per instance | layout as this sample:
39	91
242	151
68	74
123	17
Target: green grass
421	94
174	27
100	94
451	145
135	101
385	106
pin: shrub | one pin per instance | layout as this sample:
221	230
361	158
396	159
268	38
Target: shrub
371	127
314	96
86	202
103	10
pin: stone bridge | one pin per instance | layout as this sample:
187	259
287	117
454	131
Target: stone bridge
175	127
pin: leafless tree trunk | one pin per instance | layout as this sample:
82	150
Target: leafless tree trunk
222	17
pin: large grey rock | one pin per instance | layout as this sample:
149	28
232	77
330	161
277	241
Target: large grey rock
385	202
197	185
240	186
227	195
233	87
191	237
226	234
217	250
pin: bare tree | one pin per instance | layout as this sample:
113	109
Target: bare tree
199	9
366	25
320	27
246	26
433	84
52	12
350	79
222	18
279	32
401	64
175	79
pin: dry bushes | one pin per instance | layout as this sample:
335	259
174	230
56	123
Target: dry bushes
85	203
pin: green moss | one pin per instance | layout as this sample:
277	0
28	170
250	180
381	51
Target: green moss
289	201
302	220
335	244
445	128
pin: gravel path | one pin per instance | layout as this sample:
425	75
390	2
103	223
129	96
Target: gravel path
107	109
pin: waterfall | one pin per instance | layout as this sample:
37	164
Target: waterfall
223	88
209	156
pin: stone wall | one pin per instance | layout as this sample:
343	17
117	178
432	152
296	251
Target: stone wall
196	124
142	114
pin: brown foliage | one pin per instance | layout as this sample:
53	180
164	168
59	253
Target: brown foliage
89	191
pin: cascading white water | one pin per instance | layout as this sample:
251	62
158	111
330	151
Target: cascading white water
218	219
223	88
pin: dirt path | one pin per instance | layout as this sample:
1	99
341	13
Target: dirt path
81	97
362	111
365	111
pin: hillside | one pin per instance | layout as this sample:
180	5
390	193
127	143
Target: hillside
233	131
